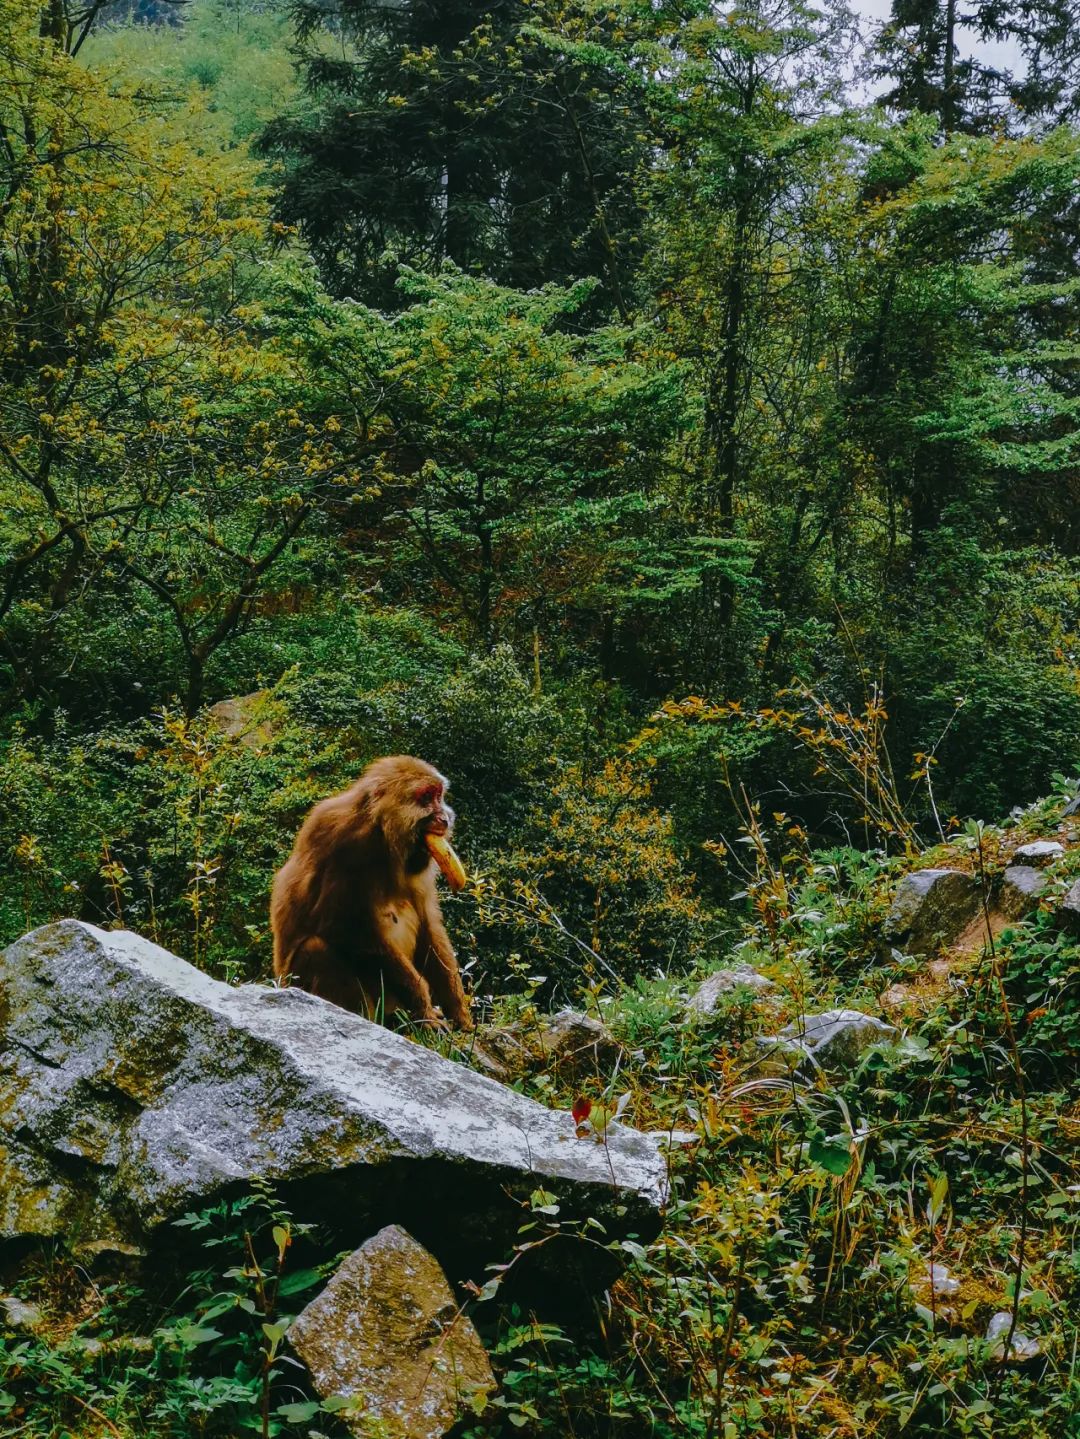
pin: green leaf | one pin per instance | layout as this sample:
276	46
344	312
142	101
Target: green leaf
192	1334
297	1282
298	1413
336	1402
830	1155
939	1189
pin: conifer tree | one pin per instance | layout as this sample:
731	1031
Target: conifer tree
444	132
929	51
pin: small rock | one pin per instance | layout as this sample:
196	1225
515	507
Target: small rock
706	998
386	1330
941	1281
835	1039
246	718
481	1052
1022	1348
112	1254
19	1316
1068	915
669	1139
931	907
573	1044
1038	852
87	1350
1021	887
577	1044
135	1343
897	996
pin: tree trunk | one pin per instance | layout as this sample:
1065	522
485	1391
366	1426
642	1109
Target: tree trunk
949	106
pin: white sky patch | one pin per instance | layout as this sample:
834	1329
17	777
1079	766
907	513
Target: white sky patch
874	13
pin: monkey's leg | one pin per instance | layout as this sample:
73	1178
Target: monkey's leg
441	968
316	967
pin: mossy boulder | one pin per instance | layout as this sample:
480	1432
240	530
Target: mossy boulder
387	1334
931	908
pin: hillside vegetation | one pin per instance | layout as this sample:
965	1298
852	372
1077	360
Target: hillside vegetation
612	405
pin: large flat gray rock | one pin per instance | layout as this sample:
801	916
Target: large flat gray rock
134	1087
1039	852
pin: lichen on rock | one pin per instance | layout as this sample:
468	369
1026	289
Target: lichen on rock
387	1332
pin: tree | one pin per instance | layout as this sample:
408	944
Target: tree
748	102
229	59
505	141
964	352
503	468
142	446
919	51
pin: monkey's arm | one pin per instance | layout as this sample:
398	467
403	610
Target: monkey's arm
406	981
441	967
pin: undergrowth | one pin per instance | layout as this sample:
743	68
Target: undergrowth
835	1247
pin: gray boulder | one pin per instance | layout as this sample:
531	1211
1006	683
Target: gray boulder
133	1088
931	907
1038	852
1021	1350
834	1040
1068	915
708	995
1021	888
387	1334
570	1044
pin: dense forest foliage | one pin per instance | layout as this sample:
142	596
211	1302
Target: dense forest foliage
663	417
592	399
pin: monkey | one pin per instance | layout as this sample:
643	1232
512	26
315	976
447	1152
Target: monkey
354	910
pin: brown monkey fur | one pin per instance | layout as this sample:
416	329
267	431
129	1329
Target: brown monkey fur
354	910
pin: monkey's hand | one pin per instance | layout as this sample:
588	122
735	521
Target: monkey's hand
433	1020
445	856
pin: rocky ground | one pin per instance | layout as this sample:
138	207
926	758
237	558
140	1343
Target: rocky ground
829	1188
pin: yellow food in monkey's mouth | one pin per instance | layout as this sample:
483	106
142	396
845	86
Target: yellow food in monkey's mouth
445	856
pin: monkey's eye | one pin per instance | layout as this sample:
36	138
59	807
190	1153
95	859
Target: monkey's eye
428	795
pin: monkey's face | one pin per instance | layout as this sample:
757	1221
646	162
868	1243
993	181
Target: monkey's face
434	815
411	796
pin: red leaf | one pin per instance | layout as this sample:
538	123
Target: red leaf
581	1109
